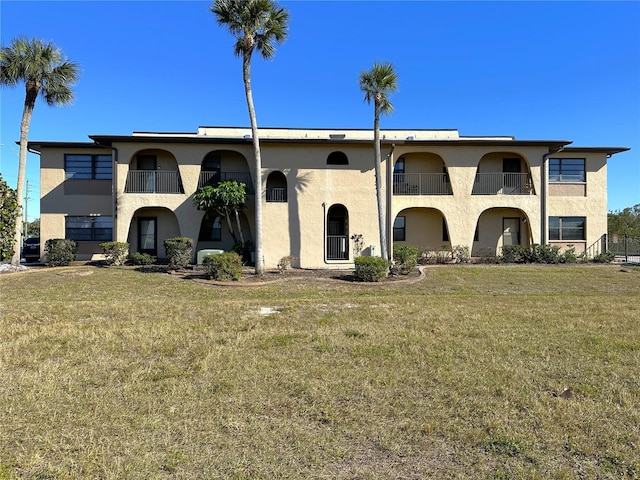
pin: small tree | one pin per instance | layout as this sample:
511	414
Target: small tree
8	215
227	199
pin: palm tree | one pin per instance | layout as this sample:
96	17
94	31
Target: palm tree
256	24
377	84
45	72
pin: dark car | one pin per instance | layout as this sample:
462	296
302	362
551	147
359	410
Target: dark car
31	249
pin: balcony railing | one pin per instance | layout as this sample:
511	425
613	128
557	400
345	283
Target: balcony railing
502	184
278	195
153	181
421	184
337	247
212	178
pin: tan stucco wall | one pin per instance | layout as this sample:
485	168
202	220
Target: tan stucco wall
297	228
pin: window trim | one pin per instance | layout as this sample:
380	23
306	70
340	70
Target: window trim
93	166
561	229
92	230
558	177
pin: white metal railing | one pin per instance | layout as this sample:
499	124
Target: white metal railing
212	178
337	247
153	181
502	184
278	195
421	184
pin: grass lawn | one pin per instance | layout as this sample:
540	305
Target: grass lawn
474	372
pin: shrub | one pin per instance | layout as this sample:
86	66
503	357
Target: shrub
60	252
179	252
115	252
569	256
371	269
461	254
223	266
405	258
285	263
604	257
138	258
514	254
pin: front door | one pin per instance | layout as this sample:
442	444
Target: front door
510	231
147	235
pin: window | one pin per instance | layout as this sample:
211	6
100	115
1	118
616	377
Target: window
87	167
337	158
276	187
567	228
445	231
399	233
399	166
92	229
210	229
567	170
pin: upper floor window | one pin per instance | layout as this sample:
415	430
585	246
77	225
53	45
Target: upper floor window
567	170
337	158
93	229
567	228
276	187
399	166
87	167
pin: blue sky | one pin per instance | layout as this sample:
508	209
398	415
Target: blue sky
534	70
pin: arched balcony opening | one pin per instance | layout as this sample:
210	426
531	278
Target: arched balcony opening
225	165
421	173
276	187
153	171
503	173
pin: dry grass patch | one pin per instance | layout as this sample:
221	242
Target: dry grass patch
120	374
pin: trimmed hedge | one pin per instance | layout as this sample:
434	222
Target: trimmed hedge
371	269
179	252
223	266
60	252
138	258
115	252
405	258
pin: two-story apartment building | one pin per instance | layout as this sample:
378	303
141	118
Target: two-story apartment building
441	189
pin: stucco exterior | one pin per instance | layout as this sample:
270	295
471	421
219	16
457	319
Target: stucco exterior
319	190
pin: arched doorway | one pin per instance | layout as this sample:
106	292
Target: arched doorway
337	233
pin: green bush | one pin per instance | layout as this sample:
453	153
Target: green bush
461	254
60	252
223	266
604	257
371	269
569	256
535	254
179	252
138	258
514	254
405	258
115	252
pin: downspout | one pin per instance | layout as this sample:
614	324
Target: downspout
388	222
544	234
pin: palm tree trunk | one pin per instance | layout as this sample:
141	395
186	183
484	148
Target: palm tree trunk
378	168
29	104
257	178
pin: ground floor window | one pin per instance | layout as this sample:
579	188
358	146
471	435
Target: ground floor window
92	229
399	233
567	228
211	229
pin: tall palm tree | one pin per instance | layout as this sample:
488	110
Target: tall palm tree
256	24
45	72
377	84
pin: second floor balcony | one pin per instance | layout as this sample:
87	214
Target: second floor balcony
421	184
503	184
214	177
153	181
